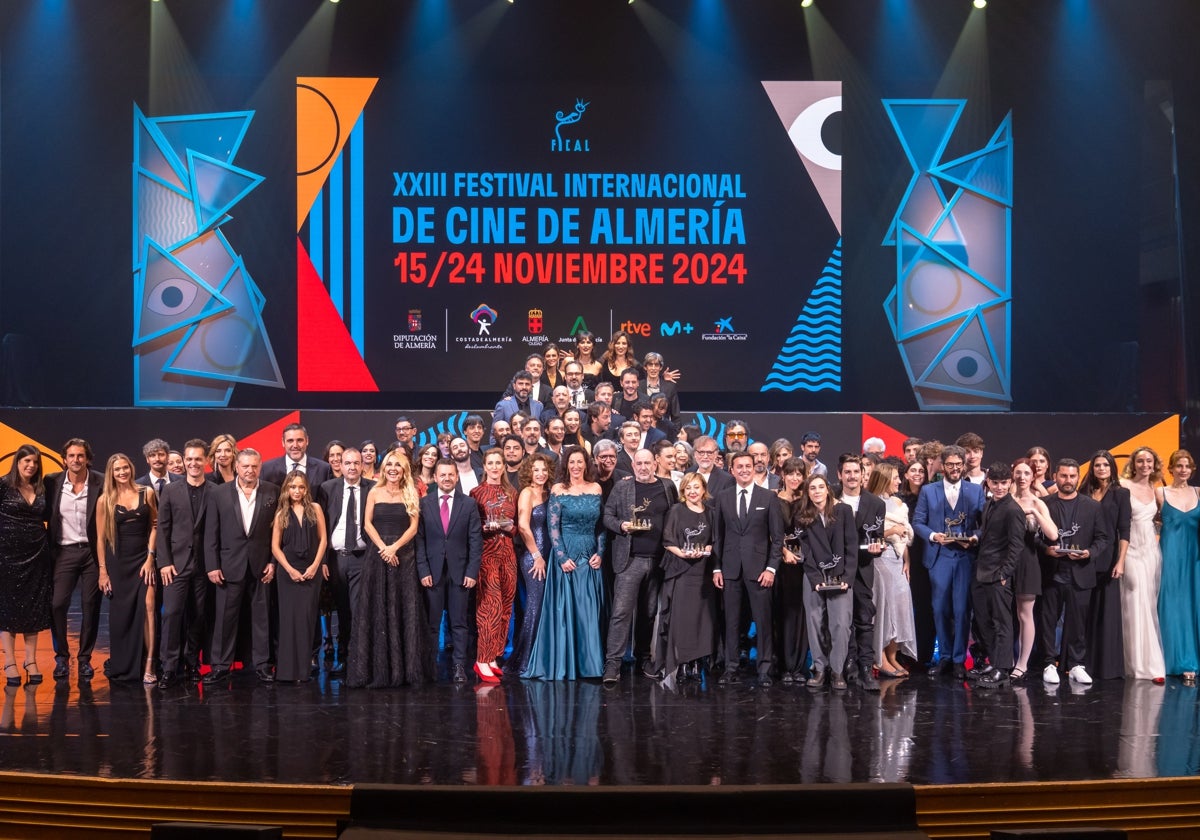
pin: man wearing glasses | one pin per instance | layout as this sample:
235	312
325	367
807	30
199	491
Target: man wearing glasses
404	433
736	436
707	455
947	519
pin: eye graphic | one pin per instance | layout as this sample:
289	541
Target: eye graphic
967	367
171	297
807	130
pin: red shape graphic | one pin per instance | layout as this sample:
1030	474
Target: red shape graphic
891	437
326	358
268	440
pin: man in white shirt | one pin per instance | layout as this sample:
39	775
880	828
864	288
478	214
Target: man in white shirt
345	505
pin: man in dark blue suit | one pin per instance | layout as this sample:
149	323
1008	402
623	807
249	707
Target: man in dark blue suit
296	457
947	519
449	550
347	544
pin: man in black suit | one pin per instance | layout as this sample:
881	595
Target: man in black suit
1069	574
296	457
581	397
71	498
749	548
1001	541
763	476
707	456
180	562
156	452
345	504
449	550
237	553
636	562
869	511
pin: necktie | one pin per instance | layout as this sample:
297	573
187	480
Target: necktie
446	512
744	505
351	543
158	485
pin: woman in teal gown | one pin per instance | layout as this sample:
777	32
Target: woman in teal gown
1179	594
567	643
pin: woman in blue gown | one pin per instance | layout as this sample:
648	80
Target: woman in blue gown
1179	594
531	525
567	643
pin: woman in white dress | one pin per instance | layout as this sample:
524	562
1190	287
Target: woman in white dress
1143	570
895	630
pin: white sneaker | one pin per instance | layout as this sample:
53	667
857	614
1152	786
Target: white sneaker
1079	675
1050	675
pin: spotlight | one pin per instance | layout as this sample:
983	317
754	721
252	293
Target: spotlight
979	4
804	4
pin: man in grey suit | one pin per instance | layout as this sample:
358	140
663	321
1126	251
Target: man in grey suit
71	498
449	551
180	561
237	553
345	503
749	549
636	561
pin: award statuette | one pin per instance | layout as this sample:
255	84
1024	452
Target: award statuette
639	524
692	547
1071	549
830	586
873	534
791	541
955	531
496	520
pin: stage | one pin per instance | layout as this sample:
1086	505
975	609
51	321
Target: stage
121	756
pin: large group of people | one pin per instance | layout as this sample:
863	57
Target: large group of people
588	533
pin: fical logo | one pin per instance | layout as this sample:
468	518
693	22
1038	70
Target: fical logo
558	144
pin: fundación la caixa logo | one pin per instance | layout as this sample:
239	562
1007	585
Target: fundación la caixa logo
565	118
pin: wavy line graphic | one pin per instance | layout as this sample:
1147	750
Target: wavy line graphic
811	357
452	424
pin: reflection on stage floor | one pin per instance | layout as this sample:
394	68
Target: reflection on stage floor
918	730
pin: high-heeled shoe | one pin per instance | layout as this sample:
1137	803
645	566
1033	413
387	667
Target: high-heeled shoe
12	681
496	669
489	677
32	678
149	677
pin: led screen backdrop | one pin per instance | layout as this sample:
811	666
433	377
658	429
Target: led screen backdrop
866	207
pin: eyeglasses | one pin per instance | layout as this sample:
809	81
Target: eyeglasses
736	435
951	465
706	452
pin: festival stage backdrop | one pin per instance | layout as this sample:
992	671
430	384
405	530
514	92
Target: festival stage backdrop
374	204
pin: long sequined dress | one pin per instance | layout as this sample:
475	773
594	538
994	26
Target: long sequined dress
25	573
392	648
1179	597
127	609
497	572
567	644
534	588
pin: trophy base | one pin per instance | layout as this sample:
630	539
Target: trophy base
831	587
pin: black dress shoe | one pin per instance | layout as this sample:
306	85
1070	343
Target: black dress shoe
765	681
167	681
869	683
729	677
612	673
86	671
62	670
215	675
648	670
942	666
960	671
787	678
265	674
459	677
992	679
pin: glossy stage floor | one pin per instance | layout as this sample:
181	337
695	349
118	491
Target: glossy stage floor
943	736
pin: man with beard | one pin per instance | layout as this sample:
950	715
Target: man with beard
521	399
513	450
555	432
468	476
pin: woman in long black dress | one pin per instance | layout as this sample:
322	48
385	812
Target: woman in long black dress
1106	646
25	573
791	628
391	644
298	543
126	514
684	633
